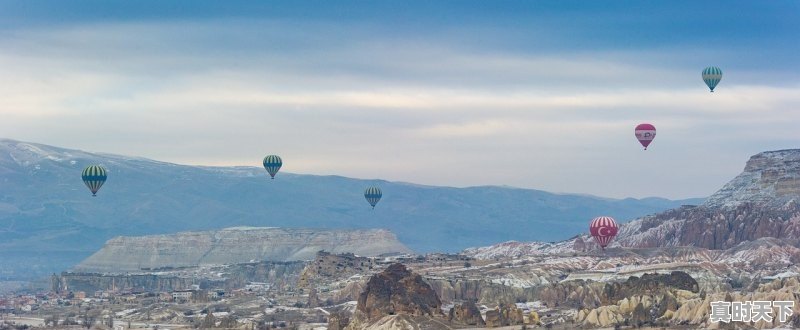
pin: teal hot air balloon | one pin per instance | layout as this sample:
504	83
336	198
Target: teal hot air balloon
94	176
711	76
373	195
272	163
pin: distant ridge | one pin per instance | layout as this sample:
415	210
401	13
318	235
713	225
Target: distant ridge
235	245
50	222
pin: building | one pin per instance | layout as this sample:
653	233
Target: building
182	295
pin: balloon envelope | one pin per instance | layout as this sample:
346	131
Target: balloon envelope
603	230
645	133
93	177
272	163
373	195
711	76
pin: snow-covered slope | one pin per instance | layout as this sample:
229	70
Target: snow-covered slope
771	177
49	221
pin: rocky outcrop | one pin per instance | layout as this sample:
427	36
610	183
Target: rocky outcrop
494	319
396	291
466	314
575	294
235	245
492	291
604	316
279	274
329	266
680	308
717	229
338	321
579	245
504	315
763	201
649	284
350	292
397	298
770	178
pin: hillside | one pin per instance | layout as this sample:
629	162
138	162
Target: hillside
762	204
49	221
235	245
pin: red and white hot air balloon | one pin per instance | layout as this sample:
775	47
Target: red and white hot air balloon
645	133
603	229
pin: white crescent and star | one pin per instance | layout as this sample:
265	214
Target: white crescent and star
601	233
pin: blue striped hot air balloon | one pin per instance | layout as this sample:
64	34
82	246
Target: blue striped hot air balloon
711	76
373	195
94	176
272	163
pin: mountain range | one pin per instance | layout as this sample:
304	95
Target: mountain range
49	221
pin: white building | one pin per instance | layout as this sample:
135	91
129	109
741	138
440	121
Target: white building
182	295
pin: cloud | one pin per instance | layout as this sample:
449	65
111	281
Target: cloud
339	100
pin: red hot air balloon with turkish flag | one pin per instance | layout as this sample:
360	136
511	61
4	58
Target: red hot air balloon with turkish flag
645	133
603	229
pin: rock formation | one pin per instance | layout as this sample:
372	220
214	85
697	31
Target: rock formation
397	299
329	266
466	314
762	201
769	178
279	274
649	284
338	321
235	245
398	291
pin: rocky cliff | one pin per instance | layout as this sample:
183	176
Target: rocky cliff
760	202
234	245
396	298
769	178
398	291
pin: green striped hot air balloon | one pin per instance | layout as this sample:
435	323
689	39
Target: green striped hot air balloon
94	176
373	195
272	163
711	76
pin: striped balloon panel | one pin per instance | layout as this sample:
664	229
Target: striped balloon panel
93	177
645	133
711	76
603	230
373	195
272	163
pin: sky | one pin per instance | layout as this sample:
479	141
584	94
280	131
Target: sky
532	94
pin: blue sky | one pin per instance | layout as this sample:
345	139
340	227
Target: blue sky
524	93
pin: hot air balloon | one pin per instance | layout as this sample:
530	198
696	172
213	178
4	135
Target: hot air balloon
272	163
711	76
645	133
94	176
373	195
603	229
